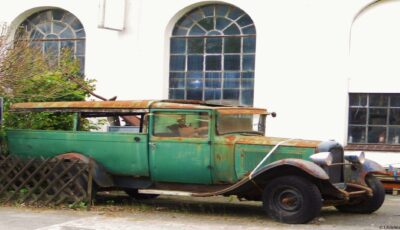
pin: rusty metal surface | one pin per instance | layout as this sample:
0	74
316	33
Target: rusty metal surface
262	140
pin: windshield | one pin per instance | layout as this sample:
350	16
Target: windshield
241	123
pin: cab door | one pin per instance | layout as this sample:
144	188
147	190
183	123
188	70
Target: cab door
179	146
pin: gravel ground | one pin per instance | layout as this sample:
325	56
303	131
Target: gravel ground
168	212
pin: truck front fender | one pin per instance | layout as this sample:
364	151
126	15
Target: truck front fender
99	173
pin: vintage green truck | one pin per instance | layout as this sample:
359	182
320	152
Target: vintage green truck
200	149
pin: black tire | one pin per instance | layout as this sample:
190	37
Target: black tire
368	204
292	200
134	193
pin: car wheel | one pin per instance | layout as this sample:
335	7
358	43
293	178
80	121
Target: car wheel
368	204
292	200
134	193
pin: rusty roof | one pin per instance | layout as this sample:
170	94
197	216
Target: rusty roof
126	106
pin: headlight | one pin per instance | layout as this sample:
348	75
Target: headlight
355	157
323	158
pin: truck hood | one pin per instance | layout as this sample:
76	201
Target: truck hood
262	140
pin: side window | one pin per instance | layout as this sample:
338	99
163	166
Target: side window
118	123
193	125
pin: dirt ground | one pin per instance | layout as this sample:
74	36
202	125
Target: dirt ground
172	212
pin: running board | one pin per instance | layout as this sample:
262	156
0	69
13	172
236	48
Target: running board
165	192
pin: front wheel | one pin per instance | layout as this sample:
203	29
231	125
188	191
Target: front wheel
368	204
292	200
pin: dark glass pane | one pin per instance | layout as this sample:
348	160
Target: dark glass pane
248	75
213	83
222	23
58	14
196	45
208	10
212	95
196	30
394	135
248	62
213	62
356	134
247	83
249	45
234	13
76	25
247	97
358	116
232	45
195	75
232	30
394	117
377	116
213	75
249	30
195	62
395	100
232	62
58	27
231	84
378	100
358	99
45	27
193	83
177	94
179	31
194	94
232	75
214	45
176	80
185	22
244	21
177	62
196	15
80	33
231	94
221	10
214	32
377	135
80	48
67	34
178	45
207	23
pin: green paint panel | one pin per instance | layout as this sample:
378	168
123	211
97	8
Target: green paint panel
247	157
223	170
119	153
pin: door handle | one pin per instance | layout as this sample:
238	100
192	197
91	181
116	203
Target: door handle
152	145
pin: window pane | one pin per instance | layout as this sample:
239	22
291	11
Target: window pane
232	75
244	21
179	31
222	23
247	97
196	45
395	101
358	99
213	62
221	10
214	45
177	94
178	45
232	62
248	83
358	116
67	34
195	62
248	62
248	75
177	62
208	10
213	80
196	30
176	83
194	80
194	94
234	13
249	30
394	136
356	134
185	22
212	94
80	48
58	27
76	25
231	84
376	135
249	45
231	94
232	30
394	117
377	116
378	100
207	23
45	27
232	45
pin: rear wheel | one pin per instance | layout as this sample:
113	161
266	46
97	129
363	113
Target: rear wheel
292	200
134	193
368	204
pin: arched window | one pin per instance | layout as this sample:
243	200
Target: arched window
55	29
212	55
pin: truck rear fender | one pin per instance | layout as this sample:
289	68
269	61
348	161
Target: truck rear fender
99	173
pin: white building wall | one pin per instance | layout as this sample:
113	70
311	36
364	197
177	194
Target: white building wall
304	65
